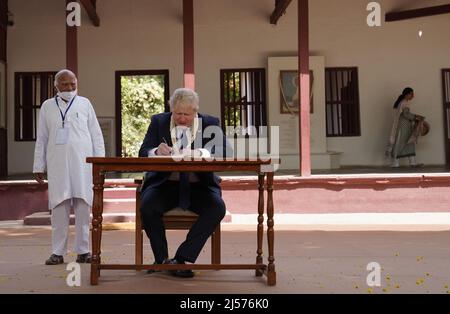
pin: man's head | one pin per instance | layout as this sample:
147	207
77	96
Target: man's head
184	106
66	83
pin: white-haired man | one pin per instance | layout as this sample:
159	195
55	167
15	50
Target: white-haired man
181	131
68	132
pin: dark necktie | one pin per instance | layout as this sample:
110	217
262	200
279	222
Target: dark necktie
184	186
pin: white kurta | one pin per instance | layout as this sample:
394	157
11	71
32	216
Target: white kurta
69	176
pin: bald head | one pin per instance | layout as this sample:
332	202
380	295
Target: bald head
65	81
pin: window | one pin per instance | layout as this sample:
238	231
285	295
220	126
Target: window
342	102
31	90
243	98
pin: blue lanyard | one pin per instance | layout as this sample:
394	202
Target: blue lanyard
63	116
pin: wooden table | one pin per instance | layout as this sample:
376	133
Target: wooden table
263	168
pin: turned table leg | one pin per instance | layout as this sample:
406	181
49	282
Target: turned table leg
271	274
97	211
260	228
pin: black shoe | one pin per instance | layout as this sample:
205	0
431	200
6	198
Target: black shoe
152	271
185	273
54	260
84	258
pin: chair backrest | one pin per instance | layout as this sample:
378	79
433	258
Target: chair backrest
175	219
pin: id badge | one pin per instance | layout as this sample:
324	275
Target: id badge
62	136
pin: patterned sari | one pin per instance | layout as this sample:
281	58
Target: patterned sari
400	144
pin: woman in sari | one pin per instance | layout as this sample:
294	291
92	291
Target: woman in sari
400	143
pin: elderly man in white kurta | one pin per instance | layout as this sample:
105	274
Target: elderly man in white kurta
68	132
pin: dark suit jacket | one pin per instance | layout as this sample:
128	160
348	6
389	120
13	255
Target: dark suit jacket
160	128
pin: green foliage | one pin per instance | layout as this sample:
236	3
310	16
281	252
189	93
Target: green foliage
232	93
142	97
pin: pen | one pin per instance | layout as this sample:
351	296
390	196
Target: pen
164	139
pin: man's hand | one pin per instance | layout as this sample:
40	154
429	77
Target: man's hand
164	150
39	177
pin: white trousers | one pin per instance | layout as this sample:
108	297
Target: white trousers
60	226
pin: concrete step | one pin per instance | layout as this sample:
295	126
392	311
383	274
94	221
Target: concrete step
44	218
41	219
119	205
114	193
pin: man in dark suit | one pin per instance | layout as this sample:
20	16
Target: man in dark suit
180	132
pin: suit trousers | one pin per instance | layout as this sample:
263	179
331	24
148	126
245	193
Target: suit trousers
60	226
155	201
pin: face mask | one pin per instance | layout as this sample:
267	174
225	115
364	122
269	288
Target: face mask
67	95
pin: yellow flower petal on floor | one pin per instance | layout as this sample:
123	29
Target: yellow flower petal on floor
420	281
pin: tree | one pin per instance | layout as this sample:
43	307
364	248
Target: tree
142	97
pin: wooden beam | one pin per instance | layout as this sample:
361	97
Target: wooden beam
416	13
188	44
3	152
71	47
4	101
280	9
3	29
90	7
304	86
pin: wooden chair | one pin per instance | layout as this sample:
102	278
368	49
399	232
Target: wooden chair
175	219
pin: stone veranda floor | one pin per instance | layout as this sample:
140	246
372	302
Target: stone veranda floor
306	262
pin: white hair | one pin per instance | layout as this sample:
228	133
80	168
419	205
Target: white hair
184	95
61	73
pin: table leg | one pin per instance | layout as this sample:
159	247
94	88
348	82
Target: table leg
271	274
260	228
97	211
